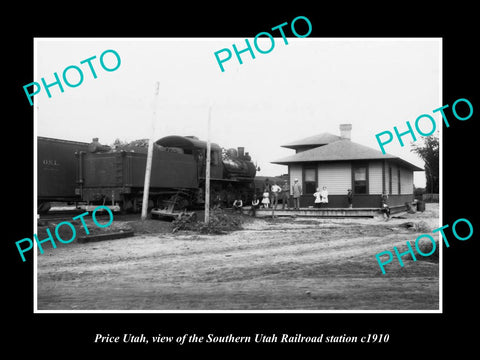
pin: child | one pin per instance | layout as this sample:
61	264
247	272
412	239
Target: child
266	198
317	198
324	196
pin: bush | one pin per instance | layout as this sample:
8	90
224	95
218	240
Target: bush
220	223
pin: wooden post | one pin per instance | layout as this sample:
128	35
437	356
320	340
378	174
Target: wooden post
148	169
207	171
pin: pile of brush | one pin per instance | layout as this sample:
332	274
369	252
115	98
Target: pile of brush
220	222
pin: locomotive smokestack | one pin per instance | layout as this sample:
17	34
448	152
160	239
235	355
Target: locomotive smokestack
241	151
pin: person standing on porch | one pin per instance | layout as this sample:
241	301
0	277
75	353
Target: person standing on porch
285	194
297	192
316	203
324	197
275	191
268	187
266	198
350	198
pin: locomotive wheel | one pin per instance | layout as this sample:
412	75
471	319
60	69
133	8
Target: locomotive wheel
131	205
126	206
176	202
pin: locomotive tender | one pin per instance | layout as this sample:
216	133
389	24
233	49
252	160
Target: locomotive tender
116	176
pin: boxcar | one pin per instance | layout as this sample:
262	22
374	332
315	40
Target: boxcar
57	171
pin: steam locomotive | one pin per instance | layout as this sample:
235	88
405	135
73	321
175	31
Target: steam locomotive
100	174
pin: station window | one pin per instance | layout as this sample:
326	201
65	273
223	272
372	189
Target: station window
310	182
360	179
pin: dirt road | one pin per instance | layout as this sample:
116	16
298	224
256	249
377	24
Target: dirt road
301	264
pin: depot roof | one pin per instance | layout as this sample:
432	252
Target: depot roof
340	150
315	140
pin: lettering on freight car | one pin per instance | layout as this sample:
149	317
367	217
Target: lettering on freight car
50	162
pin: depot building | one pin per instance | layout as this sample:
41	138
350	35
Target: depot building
341	164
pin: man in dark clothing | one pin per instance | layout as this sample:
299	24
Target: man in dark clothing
238	205
255	205
285	194
297	192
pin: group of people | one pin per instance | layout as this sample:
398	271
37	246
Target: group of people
273	192
321	197
269	198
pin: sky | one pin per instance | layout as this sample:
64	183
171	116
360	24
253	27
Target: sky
310	86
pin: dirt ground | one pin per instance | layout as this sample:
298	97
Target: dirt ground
271	264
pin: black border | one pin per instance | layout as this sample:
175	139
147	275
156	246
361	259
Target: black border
409	333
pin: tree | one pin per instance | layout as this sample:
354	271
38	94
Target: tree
428	151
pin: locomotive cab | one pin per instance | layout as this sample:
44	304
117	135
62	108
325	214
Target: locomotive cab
192	145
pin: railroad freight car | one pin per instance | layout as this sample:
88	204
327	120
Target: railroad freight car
116	175
57	171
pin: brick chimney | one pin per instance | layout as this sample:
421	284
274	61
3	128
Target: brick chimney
345	131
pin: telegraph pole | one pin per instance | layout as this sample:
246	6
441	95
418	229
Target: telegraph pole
207	171
148	169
